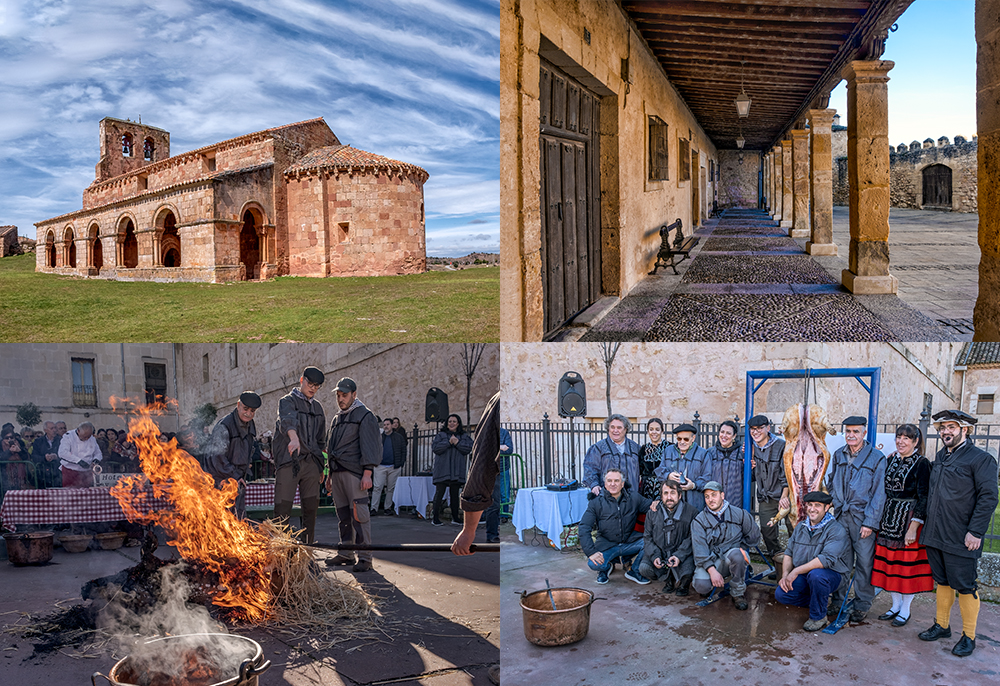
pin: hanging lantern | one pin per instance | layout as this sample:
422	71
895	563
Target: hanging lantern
742	100
740	142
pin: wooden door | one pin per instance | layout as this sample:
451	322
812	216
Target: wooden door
937	186
570	196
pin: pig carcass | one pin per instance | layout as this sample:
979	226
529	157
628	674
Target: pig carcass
806	458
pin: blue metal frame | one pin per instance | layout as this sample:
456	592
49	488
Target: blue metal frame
874	375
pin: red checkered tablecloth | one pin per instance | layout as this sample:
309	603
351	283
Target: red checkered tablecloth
261	497
65	506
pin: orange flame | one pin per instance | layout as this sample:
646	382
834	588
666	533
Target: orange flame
197	518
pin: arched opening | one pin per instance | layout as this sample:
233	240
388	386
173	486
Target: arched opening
147	150
937	187
170	242
130	247
69	259
97	260
126	145
50	250
250	245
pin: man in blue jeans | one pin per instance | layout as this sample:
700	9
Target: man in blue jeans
607	529
500	488
815	561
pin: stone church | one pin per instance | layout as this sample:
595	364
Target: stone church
290	200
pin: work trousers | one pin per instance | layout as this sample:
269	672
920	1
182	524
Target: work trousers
766	510
685	568
623	551
811	590
862	556
731	563
384	477
352	510
286	482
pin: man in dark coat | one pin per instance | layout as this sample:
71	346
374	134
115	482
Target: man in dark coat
297	450
616	451
962	499
607	529
45	454
354	451
856	480
767	460
232	447
477	495
687	463
721	535
666	541
815	561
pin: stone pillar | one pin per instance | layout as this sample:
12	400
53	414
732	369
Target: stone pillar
987	313
157	257
800	184
868	177
776	191
119	251
767	181
787	208
821	166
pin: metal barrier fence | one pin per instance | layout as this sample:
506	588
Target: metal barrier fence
555	449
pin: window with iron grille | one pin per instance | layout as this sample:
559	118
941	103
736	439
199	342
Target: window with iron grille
658	170
156	383
84	388
985	404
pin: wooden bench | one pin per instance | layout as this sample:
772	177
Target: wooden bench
669	251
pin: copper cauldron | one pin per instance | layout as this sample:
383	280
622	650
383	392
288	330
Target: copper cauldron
34	548
243	660
568	623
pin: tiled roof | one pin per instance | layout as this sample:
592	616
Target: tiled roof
346	157
974	354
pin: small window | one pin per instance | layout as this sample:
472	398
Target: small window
156	383
204	369
142	182
84	390
344	227
234	356
126	145
147	150
985	404
657	149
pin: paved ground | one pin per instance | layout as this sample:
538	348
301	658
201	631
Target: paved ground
449	606
638	635
748	281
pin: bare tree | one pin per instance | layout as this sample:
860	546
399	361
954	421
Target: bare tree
608	352
471	354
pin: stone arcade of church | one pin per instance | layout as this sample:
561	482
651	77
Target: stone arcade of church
285	201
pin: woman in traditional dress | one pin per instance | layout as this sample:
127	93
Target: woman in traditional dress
900	561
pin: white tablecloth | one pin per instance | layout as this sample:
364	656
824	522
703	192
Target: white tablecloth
413	491
548	511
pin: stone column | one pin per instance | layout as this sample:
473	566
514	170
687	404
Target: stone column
787	208
157	257
868	177
767	181
119	251
800	184
821	166
776	190
987	313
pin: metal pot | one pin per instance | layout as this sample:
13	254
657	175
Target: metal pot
33	548
127	673
568	623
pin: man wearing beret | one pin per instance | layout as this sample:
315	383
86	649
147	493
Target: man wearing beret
687	463
233	445
815	561
856	480
297	449
963	497
767	459
354	451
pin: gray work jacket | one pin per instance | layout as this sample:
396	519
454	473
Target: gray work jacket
857	484
831	544
712	535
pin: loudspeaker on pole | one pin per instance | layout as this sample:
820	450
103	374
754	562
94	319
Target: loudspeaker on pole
572	395
436	408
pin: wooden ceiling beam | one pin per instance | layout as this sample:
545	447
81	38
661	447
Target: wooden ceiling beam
802	11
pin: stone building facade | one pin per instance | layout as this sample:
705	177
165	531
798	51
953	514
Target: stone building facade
979	364
739	173
933	175
290	200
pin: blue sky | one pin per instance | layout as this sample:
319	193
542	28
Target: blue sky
932	87
416	80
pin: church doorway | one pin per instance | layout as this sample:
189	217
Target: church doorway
130	247
250	246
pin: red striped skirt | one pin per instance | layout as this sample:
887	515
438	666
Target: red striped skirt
902	571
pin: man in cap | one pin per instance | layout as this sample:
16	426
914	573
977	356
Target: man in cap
616	451
815	561
354	451
666	541
767	460
607	529
688	464
962	498
78	453
721	534
297	450
233	445
856	480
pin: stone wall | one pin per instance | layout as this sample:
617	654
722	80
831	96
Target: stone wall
673	381
9	244
738	182
906	166
981	381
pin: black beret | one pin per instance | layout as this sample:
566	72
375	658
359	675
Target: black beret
313	375
250	399
685	427
818	497
758	420
855	420
955	416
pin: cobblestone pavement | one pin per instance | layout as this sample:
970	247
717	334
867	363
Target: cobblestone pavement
764	287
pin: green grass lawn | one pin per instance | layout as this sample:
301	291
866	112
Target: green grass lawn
435	306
